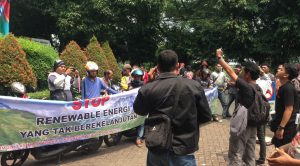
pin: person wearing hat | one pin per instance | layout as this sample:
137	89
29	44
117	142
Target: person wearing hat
92	86
137	79
206	83
60	81
204	79
137	82
125	80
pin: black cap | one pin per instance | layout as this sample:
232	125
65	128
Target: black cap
58	63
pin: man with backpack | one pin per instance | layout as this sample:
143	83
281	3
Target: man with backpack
251	103
265	83
137	82
176	106
286	106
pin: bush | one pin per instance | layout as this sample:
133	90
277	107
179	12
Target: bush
74	56
112	62
14	65
95	53
41	58
45	94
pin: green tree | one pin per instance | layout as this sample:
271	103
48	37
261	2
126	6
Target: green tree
263	30
196	28
137	29
14	65
131	26
112	62
95	53
279	31
243	27
26	15
191	28
73	56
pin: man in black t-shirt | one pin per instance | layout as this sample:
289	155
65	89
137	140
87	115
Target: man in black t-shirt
242	147
286	106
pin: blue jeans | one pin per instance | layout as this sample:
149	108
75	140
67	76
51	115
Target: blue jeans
223	99
140	131
169	159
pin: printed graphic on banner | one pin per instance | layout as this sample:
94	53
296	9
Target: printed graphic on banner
272	99
29	123
211	95
273	91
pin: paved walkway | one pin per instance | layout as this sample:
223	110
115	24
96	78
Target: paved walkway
213	150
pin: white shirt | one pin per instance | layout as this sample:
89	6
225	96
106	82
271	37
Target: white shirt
265	83
62	82
219	79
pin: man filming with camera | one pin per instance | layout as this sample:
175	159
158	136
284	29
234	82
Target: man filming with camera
60	81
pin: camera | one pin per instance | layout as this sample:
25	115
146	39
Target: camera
73	69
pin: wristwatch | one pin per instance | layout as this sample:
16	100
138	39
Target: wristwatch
280	128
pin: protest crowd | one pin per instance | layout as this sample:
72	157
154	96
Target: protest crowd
77	74
173	100
172	96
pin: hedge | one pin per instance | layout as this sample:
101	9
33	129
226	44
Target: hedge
73	56
41	58
112	62
14	65
95	53
45	95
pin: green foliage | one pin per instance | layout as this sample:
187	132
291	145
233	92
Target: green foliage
138	30
41	58
112	62
266	31
192	29
13	64
132	27
263	30
45	94
74	56
96	54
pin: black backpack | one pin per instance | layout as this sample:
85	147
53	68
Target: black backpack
258	112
